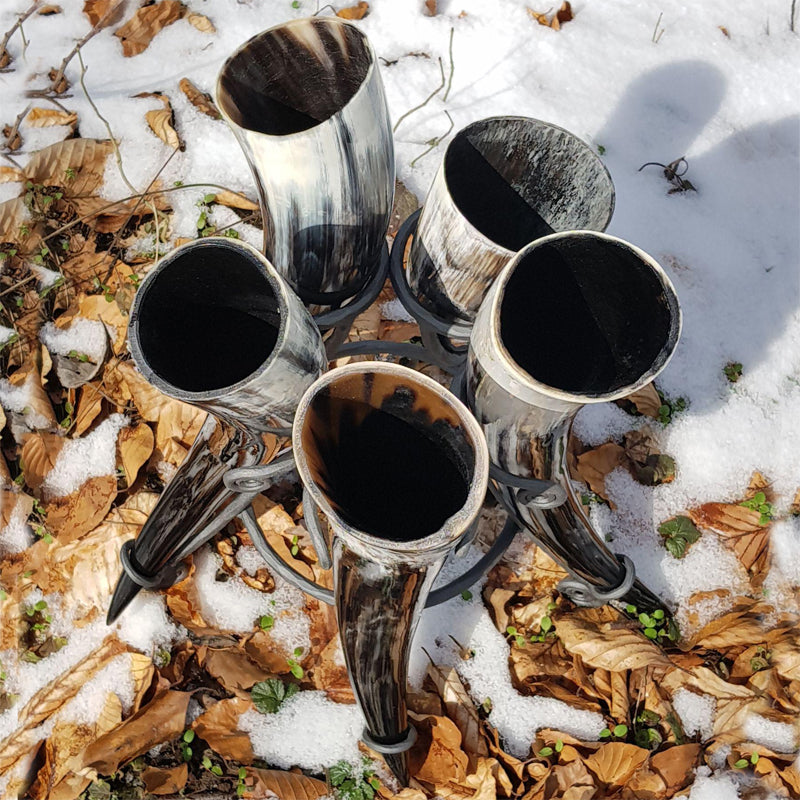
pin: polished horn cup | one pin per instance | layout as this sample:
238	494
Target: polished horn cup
400	467
574	318
503	182
306	103
214	325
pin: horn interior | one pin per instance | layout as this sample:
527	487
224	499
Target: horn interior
518	179
389	455
586	315
293	77
208	319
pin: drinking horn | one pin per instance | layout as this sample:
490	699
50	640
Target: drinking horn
400	468
574	318
306	103
214	325
503	182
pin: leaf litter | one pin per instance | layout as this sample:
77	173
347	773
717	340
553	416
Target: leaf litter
747	659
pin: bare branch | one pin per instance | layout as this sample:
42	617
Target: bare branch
4	57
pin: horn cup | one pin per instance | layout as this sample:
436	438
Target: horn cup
400	468
574	318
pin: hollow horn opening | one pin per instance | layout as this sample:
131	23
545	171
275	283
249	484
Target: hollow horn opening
389	454
517	179
207	318
587	314
291	78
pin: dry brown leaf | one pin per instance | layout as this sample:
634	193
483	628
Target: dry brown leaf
614	763
430	7
608	646
202	101
16	505
165	781
137	33
233	669
264	651
358	11
183	601
438	758
135	445
740	530
594	465
743	624
99	11
74	515
162	121
263	783
540	18
49	9
203	24
460	708
786	659
88	408
676	765
234	200
39	454
11	175
564	14
39	412
162	719
218	727
47	117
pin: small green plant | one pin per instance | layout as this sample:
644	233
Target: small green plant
514	634
617	732
761	660
545	629
266	622
36	640
69	174
295	3
295	546
214	769
351	783
645	730
268	696
466	595
589	498
758	502
678	532
745	762
186	742
733	371
601	150
294	665
98	285
656	625
241	787
669	408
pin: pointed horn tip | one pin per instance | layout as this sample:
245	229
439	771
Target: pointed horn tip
124	592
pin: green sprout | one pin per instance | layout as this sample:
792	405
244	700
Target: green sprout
758	502
732	371
351	783
269	695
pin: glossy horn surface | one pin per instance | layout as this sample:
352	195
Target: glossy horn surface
214	325
307	105
574	318
503	183
400	467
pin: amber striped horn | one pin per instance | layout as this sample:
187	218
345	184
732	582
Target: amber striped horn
503	183
574	318
215	325
306	103
399	466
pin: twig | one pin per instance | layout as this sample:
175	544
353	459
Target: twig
654	39
434	142
791	17
452	68
93	32
425	101
18	24
15	127
327	5
17	285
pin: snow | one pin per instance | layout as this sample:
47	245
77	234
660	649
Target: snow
777	736
308	731
89	456
84	336
696	712
731	249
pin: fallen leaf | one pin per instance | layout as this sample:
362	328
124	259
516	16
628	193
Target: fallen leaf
614	763
218	727
98	11
264	783
11	175
786	659
165	781
540	18
676	765
183	601
564	14
162	719
233	669
202	23
594	465
137	33
405	203
39	454
235	200
73	515
88	408
162	121
46	11
438	757
38	412
202	101
74	372
47	117
354	12
14	505
610	647
430	7
135	445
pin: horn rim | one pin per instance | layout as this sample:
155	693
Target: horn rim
522	381
455	525
277	284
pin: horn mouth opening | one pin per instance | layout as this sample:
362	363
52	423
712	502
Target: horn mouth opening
517	179
587	314
209	317
391	456
294	76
